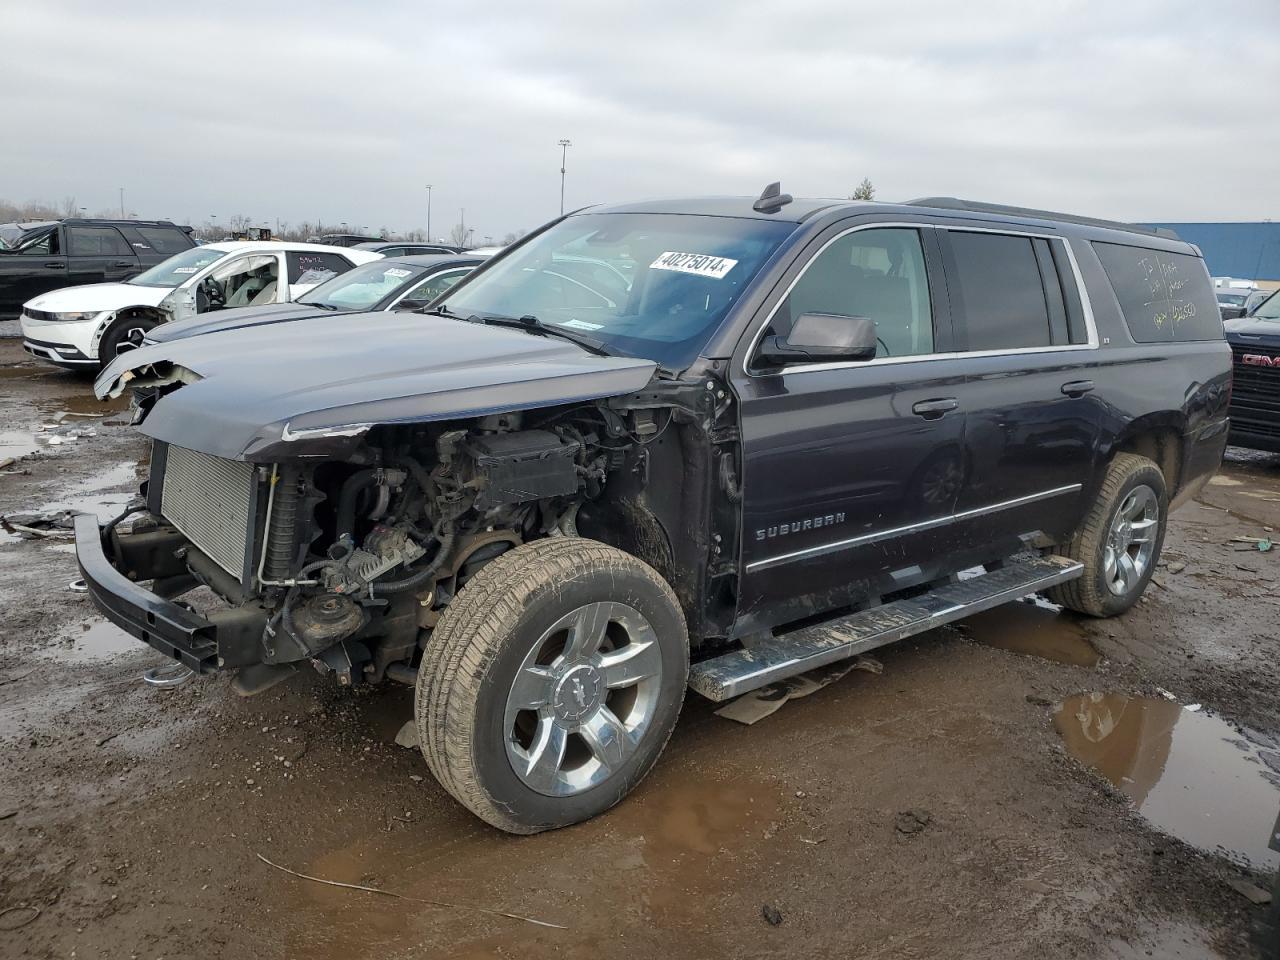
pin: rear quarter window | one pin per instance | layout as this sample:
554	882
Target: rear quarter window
307	267
166	240
1165	297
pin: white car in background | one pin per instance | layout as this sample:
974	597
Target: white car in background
88	326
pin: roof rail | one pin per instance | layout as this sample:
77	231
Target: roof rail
973	206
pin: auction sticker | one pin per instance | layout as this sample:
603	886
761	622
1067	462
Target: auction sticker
185	269
701	264
581	325
396	272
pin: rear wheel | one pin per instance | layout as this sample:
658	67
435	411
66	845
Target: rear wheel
1120	540
552	683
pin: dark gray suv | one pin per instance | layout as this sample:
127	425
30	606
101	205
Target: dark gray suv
701	444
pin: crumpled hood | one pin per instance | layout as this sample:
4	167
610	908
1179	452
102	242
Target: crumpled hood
98	297
233	318
285	390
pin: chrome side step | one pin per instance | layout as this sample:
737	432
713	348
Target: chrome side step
740	671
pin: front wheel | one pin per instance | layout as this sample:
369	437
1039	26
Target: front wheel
552	683
126	335
1119	542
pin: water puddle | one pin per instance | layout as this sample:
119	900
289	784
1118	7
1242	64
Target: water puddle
86	407
18	443
1036	628
662	857
1168	940
20	371
1190	774
94	641
103	494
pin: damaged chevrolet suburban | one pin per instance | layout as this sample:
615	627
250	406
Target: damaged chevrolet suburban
700	444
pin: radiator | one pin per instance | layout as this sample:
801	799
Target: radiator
211	500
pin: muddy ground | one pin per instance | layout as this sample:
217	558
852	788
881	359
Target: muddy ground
930	810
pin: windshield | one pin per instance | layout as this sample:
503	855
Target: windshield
179	268
363	286
1269	309
645	285
1231	299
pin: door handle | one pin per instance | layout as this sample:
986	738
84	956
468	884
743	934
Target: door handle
123	263
1077	388
933	409
55	265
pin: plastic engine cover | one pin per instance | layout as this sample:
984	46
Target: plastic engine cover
522	466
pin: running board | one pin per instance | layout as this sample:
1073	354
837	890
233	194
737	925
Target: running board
740	671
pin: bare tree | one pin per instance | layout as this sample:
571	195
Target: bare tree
512	237
69	207
865	190
458	235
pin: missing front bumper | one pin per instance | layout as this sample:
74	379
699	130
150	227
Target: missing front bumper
230	637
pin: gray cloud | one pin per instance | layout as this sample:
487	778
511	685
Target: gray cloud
1138	110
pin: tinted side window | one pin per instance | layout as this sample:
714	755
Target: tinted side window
876	273
1163	296
997	280
98	242
315	267
165	239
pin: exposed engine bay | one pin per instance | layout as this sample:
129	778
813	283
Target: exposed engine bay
348	564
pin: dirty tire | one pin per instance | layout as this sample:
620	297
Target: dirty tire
118	336
1089	593
486	634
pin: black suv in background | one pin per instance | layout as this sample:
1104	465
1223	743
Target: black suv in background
405	248
708	443
46	255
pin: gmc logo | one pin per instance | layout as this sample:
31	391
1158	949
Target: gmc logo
1259	360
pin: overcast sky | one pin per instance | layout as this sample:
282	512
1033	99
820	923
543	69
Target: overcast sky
344	111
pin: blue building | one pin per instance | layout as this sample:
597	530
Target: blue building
1247	251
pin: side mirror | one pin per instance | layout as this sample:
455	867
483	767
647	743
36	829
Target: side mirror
819	337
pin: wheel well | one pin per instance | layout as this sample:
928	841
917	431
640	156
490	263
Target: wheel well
1162	446
125	315
137	313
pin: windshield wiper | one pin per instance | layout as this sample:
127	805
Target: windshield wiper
533	325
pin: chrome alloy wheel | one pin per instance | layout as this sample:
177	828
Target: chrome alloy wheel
1132	540
583	699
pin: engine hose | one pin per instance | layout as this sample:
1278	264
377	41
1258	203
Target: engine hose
419	577
419	473
286	612
351	489
112	524
729	480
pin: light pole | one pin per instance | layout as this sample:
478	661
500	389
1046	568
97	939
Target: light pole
428	211
122	203
564	154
